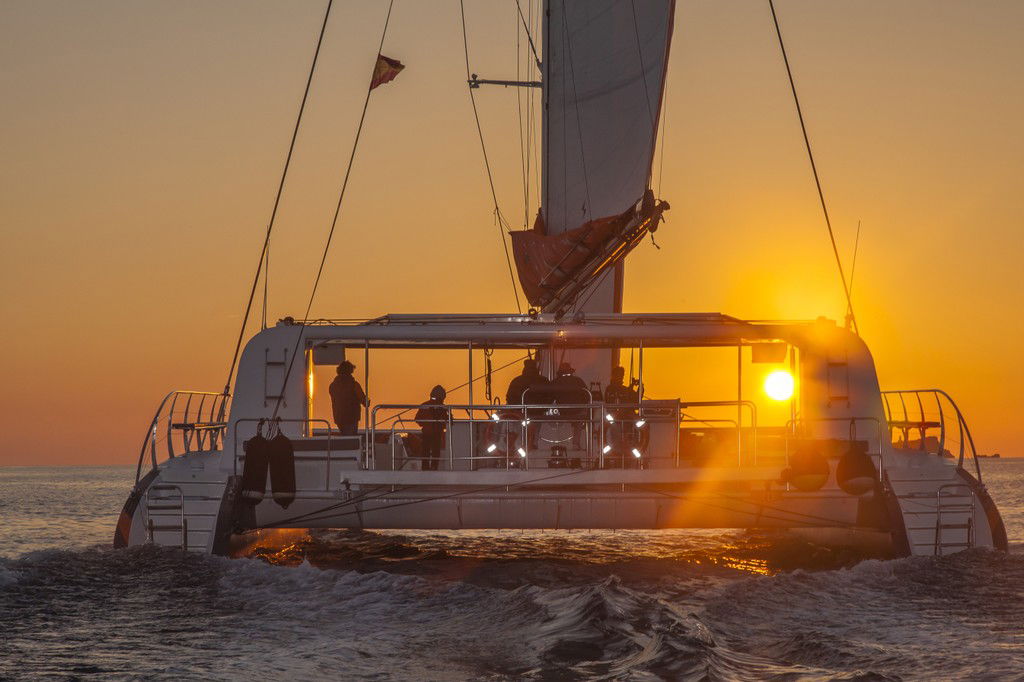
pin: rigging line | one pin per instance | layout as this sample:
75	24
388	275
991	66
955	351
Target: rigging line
277	200
643	71
334	221
266	285
502	223
594	287
462	385
664	133
522	148
853	268
528	36
357	499
814	168
579	120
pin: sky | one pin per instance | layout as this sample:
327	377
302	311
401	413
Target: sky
143	143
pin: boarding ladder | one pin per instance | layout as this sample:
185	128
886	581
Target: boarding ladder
954	518
165	513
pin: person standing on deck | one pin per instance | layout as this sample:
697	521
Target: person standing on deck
618	393
433	420
347	400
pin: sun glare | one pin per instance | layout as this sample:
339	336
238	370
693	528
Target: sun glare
779	385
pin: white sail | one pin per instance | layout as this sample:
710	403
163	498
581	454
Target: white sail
604	64
604	70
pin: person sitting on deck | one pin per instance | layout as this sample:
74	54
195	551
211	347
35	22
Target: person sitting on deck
531	378
347	400
524	389
433	420
569	389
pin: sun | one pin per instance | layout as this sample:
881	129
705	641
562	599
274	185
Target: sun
779	385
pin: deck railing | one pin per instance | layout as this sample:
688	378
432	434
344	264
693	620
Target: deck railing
521	436
934	418
185	421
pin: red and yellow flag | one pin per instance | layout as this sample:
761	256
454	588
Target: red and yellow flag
385	70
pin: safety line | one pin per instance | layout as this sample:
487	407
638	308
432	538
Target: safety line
334	221
810	155
277	201
502	223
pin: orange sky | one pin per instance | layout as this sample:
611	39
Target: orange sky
142	143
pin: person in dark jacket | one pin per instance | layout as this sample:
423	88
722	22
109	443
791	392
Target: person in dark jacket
617	393
528	388
621	435
433	420
568	389
531	378
347	400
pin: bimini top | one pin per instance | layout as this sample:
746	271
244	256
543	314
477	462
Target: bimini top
542	330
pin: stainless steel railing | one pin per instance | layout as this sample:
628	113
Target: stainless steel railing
585	426
185	421
331	434
926	411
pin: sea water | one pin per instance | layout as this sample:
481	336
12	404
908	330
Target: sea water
490	606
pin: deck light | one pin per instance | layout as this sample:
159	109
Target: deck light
636	453
779	385
609	417
606	449
492	447
495	417
526	422
640	423
522	453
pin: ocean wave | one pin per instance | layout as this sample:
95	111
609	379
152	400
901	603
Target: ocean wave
394	607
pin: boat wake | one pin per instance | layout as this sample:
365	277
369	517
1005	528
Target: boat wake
575	607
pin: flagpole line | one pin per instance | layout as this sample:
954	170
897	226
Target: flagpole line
337	212
277	202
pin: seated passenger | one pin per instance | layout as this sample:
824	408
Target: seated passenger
569	389
531	378
569	384
433	421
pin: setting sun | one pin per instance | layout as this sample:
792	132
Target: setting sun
779	385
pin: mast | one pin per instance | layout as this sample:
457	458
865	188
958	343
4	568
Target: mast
603	78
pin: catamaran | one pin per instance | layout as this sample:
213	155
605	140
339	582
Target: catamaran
824	452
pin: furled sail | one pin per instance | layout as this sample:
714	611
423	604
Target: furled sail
604	65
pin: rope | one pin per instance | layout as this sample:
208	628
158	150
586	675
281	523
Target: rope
853	268
277	201
502	223
529	37
817	181
266	287
664	134
462	385
643	70
579	121
334	221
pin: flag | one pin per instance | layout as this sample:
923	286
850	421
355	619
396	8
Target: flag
385	70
